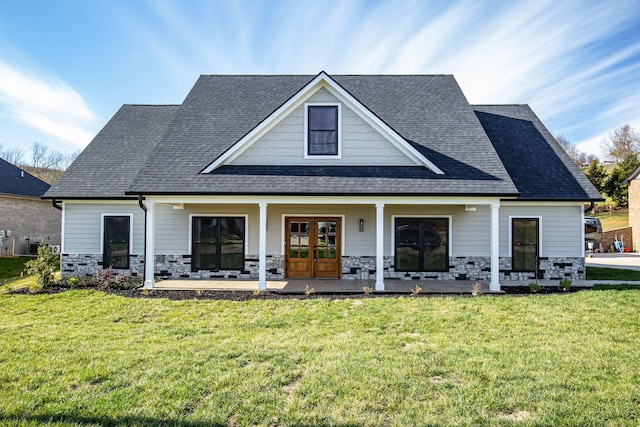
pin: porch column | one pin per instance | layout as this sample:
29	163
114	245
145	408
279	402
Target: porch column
379	246
262	248
495	248
149	259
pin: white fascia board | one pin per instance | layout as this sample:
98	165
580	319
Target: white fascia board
327	200
322	80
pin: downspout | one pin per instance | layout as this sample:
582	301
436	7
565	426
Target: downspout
54	202
590	207
144	256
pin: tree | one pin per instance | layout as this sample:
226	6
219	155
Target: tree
579	157
38	154
623	142
12	155
597	175
615	187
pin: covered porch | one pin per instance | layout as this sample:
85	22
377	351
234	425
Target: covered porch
365	229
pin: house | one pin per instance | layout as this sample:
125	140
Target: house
634	210
346	176
25	219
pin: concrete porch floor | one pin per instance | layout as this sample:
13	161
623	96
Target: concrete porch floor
348	286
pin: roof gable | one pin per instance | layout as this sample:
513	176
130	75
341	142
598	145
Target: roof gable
15	181
359	143
322	81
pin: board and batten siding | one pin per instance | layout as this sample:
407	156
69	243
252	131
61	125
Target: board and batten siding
83	225
561	229
361	144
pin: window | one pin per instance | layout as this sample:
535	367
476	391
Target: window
217	243
323	130
524	240
117	231
422	244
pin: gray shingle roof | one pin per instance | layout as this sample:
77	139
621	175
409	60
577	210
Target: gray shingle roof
163	149
429	111
15	181
107	167
537	164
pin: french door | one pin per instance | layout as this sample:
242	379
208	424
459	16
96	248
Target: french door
312	247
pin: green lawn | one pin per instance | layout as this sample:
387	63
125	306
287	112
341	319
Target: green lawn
11	267
88	358
618	218
604	273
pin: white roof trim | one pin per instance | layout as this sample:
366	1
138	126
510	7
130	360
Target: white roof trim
322	80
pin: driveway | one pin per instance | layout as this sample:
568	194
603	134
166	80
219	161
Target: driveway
627	261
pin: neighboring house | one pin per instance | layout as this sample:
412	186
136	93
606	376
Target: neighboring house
351	177
25	219
634	208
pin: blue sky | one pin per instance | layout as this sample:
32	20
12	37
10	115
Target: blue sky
67	66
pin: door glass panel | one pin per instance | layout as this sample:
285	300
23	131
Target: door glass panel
326	244
299	239
525	244
116	242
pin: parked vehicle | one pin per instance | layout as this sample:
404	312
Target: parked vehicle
592	232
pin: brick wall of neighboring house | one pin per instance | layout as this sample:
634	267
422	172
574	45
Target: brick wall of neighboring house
624	234
634	211
28	217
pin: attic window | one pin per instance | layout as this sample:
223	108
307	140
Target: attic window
323	131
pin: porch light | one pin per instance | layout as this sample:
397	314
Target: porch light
361	225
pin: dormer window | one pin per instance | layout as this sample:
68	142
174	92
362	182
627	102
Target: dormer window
322	131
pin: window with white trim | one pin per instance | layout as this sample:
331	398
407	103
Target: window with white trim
323	130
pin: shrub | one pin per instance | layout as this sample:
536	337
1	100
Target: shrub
416	290
476	291
534	287
367	290
43	266
73	282
107	278
564	284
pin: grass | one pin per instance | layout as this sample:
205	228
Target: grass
618	218
88	358
604	273
11	267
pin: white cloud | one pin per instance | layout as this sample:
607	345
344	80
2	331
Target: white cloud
48	105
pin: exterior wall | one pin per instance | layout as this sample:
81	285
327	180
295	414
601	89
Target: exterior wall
561	229
624	234
30	220
634	212
83	226
470	237
361	144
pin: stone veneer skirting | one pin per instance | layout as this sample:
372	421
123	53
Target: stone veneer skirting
353	267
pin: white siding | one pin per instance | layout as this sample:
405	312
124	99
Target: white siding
561	229
83	225
361	144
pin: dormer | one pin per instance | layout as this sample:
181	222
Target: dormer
320	125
